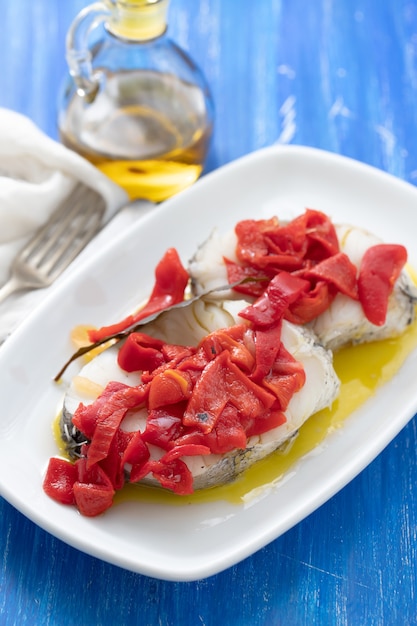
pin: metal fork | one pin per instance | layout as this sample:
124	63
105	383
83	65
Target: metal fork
56	244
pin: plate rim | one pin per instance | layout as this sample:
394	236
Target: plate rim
210	567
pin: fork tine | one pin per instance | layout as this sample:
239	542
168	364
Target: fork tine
56	244
83	231
61	219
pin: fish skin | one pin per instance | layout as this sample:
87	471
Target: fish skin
320	390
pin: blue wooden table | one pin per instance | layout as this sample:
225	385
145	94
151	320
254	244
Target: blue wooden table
335	74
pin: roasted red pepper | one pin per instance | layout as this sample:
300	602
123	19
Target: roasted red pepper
381	266
169	387
140	352
109	417
171	279
267	244
267	344
59	480
285	378
269	309
203	400
238	381
221	383
307	248
338	271
93	491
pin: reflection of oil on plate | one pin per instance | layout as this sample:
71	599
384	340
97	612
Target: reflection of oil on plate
194	541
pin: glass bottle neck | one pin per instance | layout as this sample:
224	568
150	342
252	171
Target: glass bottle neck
138	20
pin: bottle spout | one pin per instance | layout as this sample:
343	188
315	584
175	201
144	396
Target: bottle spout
78	53
138	20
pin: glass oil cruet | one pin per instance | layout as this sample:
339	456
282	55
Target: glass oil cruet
135	104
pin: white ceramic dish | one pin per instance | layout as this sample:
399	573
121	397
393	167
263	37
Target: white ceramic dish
192	542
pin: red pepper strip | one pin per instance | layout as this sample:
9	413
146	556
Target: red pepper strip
190	449
311	236
280	257
251	241
222	382
171	472
85	417
136	452
238	273
208	399
92	500
228	434
112	465
171	280
267	343
230	339
321	234
287	245
310	305
381	266
140	352
337	270
283	387
164	426
287	376
174	475
93	491
195	363
169	387
264	243
265	422
59	480
175	354
109	418
282	291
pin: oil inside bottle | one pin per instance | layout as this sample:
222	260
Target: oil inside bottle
147	131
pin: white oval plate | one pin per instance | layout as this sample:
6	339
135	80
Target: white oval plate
195	541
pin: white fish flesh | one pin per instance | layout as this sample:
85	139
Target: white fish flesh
344	322
188	326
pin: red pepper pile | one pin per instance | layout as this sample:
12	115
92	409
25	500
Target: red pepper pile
199	400
304	269
238	381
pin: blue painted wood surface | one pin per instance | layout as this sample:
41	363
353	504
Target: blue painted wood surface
335	74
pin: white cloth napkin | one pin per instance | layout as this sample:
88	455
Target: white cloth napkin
36	174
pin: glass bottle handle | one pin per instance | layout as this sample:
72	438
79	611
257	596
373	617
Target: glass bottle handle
78	53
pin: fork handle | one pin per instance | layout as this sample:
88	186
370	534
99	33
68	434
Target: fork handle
10	287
